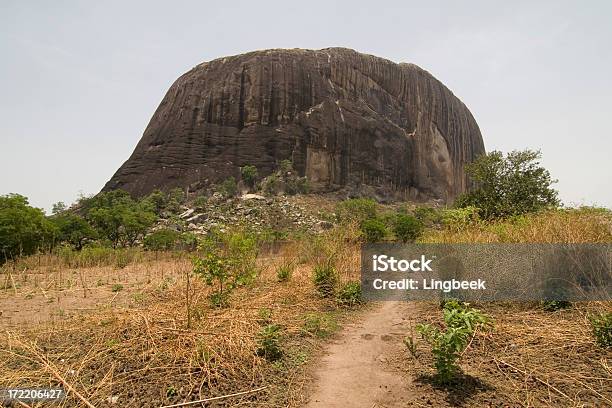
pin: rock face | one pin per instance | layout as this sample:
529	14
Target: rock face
349	122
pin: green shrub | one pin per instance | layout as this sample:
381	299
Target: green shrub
284	272
320	325
459	218
249	175
428	215
215	272
176	197
602	328
350	294
229	262
447	345
297	185
268	340
200	202
117	287
285	166
265	315
407	228
271	184
188	241
325	279
356	210
161	240
511	185
373	230
228	188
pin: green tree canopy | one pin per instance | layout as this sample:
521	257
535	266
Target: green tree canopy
23	228
73	229
509	185
118	218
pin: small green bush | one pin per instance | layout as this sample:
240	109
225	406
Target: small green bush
459	218
356	210
320	325
228	188
428	215
268	340
284	272
297	185
200	202
249	175
285	166
325	279
407	228
602	329
161	240
373	230
350	294
117	287
448	345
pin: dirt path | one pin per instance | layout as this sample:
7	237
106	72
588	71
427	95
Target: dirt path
356	370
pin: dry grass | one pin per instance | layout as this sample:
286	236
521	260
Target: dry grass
560	226
145	355
531	358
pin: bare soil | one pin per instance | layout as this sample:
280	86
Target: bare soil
355	371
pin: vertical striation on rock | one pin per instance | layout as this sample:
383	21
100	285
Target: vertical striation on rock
348	121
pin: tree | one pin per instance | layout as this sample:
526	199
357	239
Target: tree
58	207
249	175
23	229
118	218
511	185
73	229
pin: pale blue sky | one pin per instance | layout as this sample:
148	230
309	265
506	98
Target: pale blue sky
80	80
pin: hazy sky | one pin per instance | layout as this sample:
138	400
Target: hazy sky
79	80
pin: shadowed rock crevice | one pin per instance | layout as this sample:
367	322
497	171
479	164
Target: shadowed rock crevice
348	121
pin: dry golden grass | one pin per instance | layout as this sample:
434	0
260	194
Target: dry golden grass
560	226
144	354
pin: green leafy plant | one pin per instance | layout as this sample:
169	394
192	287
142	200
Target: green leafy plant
509	185
23	229
249	175
428	215
228	263
228	188
406	227
602	328
356	210
325	279
269	342
284	272
200	202
458	218
349	294
215	272
320	325
117	287
373	230
447	345
160	240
